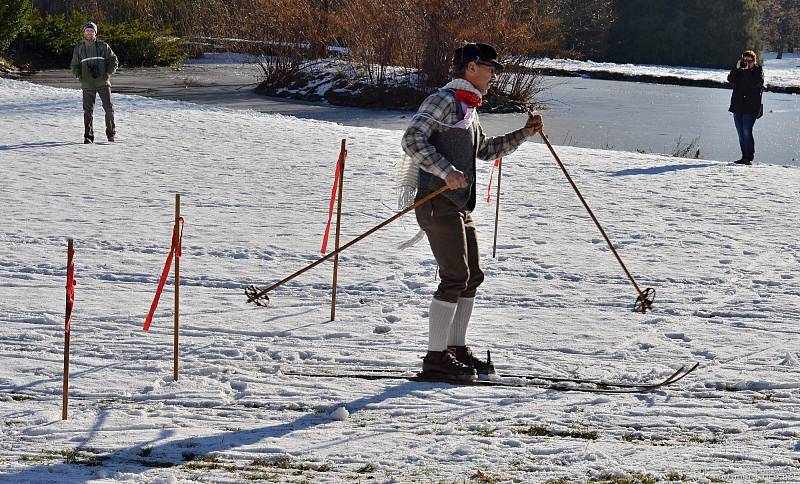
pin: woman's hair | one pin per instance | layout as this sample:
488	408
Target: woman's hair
750	53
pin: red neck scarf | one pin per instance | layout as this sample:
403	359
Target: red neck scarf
469	98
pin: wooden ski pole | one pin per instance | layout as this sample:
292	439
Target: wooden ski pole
342	156
497	209
67	324
645	299
176	241
257	294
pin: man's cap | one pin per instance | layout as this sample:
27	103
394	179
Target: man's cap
90	25
472	52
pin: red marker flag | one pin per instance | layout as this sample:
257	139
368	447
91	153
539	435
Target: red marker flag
336	176
173	251
491	175
70	290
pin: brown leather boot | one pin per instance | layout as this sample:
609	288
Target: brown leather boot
464	355
444	365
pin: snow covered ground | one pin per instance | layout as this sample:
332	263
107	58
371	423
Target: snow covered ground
777	72
717	241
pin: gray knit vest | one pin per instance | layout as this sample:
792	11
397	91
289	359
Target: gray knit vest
460	148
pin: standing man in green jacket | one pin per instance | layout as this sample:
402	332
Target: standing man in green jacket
93	62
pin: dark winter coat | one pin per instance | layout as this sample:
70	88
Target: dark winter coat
93	63
747	87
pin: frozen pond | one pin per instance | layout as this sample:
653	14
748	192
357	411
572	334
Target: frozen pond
639	116
589	113
632	116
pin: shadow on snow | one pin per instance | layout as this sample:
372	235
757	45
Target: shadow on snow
658	170
171	453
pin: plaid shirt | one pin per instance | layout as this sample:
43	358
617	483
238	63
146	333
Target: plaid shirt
442	106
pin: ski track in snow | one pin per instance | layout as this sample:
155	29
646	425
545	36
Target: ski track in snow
717	241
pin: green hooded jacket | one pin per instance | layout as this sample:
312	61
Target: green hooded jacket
93	63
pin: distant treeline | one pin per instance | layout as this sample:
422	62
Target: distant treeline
421	33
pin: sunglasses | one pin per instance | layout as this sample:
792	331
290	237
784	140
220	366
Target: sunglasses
486	64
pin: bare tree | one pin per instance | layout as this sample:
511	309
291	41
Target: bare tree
780	24
584	26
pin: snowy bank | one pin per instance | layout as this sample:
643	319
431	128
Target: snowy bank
780	75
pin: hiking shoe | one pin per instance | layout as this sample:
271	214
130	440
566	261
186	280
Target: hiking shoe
743	161
464	355
112	138
443	364
88	141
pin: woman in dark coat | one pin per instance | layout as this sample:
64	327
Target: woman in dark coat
748	82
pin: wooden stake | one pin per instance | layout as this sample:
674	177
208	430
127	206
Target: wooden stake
338	231
497	210
67	314
176	243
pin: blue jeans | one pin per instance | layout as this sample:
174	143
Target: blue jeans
744	126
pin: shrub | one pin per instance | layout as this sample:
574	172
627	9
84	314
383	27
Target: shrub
136	46
48	41
13	14
712	33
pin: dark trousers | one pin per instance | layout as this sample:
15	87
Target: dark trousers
89	97
744	127
454	243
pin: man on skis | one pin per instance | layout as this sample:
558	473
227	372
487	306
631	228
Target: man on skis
444	139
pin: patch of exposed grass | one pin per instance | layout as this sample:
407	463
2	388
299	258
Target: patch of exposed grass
544	431
19	397
632	437
145	451
211	457
535	431
582	433
265	476
711	439
559	480
84	457
35	459
368	468
640	478
286	462
635	478
209	461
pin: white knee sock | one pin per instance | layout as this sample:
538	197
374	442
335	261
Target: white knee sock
440	318
458	330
